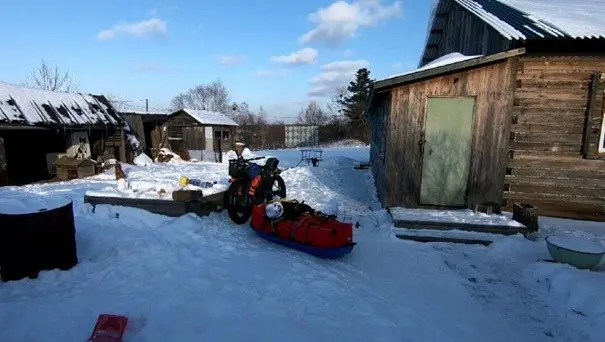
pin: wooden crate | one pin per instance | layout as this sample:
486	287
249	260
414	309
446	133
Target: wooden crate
72	168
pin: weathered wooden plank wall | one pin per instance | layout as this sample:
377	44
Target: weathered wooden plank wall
493	87
546	165
194	138
379	121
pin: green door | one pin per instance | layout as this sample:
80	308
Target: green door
447	151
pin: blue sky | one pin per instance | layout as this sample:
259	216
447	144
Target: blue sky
273	53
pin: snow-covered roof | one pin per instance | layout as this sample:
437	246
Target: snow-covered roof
142	112
206	117
519	20
537	19
26	106
450	58
452	62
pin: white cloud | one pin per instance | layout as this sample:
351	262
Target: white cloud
397	66
138	29
271	72
151	67
230	59
341	20
302	56
335	75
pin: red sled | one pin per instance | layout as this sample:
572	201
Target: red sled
109	328
311	233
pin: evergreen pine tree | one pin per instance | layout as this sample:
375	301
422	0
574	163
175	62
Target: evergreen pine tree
354	104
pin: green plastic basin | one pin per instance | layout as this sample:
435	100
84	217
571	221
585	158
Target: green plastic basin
579	252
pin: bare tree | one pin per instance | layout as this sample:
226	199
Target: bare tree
213	97
245	117
51	78
312	115
117	102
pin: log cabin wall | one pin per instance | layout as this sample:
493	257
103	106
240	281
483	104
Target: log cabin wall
554	161
493	86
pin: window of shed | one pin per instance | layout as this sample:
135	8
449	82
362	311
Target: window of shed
222	135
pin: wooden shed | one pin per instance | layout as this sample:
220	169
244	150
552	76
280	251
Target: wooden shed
209	132
148	128
512	126
507	106
36	126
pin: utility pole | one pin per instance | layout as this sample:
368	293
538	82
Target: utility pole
146	105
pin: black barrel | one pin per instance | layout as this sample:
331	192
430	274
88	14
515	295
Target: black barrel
43	239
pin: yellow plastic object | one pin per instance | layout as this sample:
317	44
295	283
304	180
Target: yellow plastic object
183	181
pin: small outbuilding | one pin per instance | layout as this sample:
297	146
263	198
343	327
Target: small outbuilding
507	106
210	133
147	126
38	126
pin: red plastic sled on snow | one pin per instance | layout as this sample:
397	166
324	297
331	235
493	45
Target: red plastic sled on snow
109	328
309	232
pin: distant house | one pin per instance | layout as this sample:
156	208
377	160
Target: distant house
211	133
36	126
147	126
493	123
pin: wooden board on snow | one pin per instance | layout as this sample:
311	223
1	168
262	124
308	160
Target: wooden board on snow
202	207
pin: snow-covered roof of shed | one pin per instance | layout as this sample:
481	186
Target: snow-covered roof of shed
452	62
450	58
142	112
26	106
206	117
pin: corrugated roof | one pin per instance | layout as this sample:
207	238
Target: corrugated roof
206	117
541	19
572	18
26	106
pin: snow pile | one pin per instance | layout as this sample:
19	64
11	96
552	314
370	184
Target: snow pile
159	180
143	160
166	155
580	291
577	292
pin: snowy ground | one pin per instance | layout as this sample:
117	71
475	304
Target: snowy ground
204	279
